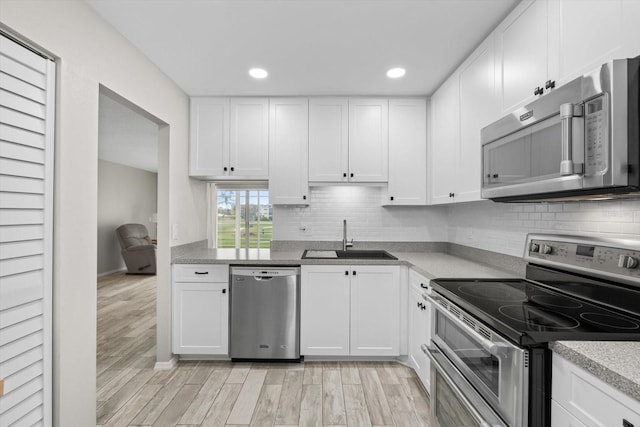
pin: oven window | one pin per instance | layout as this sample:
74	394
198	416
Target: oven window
483	364
449	411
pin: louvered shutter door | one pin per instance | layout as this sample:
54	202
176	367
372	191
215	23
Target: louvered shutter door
26	194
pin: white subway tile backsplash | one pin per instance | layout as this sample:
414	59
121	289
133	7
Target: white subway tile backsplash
367	219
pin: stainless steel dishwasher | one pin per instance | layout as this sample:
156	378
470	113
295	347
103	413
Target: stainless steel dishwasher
265	313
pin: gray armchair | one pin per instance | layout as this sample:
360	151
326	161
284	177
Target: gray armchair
138	252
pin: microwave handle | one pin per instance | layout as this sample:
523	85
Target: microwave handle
567	113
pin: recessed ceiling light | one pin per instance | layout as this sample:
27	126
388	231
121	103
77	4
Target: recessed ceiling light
396	73
258	73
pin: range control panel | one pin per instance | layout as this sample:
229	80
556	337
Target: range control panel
617	259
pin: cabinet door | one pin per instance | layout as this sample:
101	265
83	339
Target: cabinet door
328	140
375	311
584	35
407	152
249	138
288	151
200	318
419	334
561	418
444	141
209	139
324	310
522	38
478	108
368	140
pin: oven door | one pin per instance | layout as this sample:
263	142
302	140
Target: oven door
497	368
454	402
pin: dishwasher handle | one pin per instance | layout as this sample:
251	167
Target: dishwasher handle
263	278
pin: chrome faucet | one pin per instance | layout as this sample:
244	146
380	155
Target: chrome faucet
345	243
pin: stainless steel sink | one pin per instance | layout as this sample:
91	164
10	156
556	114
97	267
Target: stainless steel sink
350	254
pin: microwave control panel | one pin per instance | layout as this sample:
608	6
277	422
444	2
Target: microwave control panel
596	135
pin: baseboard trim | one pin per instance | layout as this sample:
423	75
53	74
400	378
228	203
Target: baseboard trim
106	273
165	366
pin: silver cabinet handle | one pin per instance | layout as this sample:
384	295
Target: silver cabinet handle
567	113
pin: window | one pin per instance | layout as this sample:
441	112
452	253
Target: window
243	217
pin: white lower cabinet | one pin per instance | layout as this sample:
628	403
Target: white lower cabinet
350	310
200	309
324	310
419	326
587	400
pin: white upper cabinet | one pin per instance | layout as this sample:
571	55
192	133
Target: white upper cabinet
368	140
209	143
288	151
348	140
229	138
585	34
523	58
249	138
444	141
478	108
328	140
407	152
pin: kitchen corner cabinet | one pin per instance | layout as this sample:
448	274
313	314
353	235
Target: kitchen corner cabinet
229	138
407	152
288	151
419	326
348	140
350	310
200	309
580	399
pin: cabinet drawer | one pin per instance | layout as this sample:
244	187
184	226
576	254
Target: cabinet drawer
589	399
200	273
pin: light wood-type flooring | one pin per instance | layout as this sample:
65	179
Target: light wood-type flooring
207	393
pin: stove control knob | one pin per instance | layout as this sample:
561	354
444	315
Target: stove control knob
546	249
628	262
535	247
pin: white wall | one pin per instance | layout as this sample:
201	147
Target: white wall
91	53
125	195
502	227
367	219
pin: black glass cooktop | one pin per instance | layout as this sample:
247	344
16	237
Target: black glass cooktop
533	313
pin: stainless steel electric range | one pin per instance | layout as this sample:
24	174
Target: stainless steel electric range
491	365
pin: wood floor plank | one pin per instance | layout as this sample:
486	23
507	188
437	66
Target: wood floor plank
311	406
176	408
267	406
118	399
356	405
387	374
350	374
116	383
200	373
239	373
242	411
200	405
377	403
401	407
419	399
333	411
222	405
150	413
291	398
275	377
312	373
130	409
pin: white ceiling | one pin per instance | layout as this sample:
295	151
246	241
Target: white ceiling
126	137
309	47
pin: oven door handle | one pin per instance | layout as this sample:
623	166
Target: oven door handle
493	348
463	399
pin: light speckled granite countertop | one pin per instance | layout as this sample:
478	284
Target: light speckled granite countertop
616	363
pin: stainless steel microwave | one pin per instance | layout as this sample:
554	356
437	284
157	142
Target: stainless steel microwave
579	142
